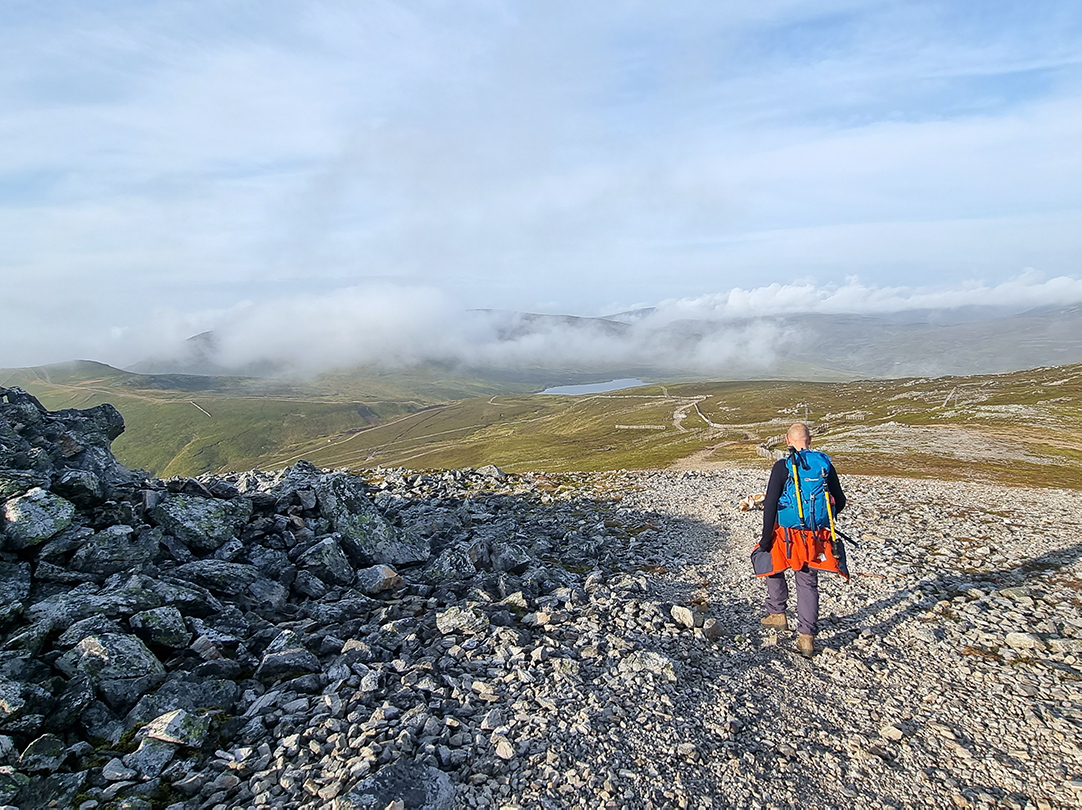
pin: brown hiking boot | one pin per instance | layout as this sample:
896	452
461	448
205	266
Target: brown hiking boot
804	643
775	620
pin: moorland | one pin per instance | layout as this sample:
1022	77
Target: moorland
1020	427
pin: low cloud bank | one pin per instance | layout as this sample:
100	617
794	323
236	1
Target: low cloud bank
1025	291
394	327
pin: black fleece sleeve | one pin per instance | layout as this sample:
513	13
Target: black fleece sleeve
835	487
774	489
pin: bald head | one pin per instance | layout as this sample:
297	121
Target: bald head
799	436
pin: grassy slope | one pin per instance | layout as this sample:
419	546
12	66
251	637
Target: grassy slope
1024	427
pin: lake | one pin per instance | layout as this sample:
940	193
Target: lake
593	388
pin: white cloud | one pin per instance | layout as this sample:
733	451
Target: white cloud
187	156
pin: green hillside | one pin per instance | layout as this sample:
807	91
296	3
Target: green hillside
1023	427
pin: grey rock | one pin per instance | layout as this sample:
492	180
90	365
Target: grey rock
110	656
491	471
416	786
44	755
64	609
35	517
290	663
712	629
1024	641
151	757
101	723
76	698
229	579
461	620
366	536
163	626
179	727
648	661
114	549
285	657
116	771
309	585
190	693
327	561
14	589
377	579
683	616
93	625
49	792
14	483
81	487
12	702
201	523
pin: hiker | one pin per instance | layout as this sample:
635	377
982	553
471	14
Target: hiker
802	497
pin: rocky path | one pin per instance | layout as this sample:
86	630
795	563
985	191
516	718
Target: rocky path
949	671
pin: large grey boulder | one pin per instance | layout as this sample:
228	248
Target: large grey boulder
120	667
187	692
115	549
61	610
33	518
237	580
377	578
203	524
286	657
163	626
406	783
366	536
108	656
81	487
327	561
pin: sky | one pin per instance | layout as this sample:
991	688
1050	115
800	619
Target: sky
171	167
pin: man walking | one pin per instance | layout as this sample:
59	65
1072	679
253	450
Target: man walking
802	498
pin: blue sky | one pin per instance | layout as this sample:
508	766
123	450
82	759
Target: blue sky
166	165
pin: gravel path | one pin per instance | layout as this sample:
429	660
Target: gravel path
949	671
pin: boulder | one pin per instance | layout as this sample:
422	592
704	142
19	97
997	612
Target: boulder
377	579
178	727
33	518
115	549
108	656
162	626
648	661
201	523
366	536
326	561
187	692
44	755
406	783
81	487
461	620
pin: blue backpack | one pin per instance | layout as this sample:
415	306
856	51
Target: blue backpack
803	504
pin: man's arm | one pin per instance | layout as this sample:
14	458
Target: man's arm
835	487
774	489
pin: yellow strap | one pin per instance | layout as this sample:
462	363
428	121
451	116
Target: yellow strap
796	483
830	516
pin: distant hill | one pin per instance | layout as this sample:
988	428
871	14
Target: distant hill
519	348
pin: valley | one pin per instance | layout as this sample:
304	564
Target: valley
1022	428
